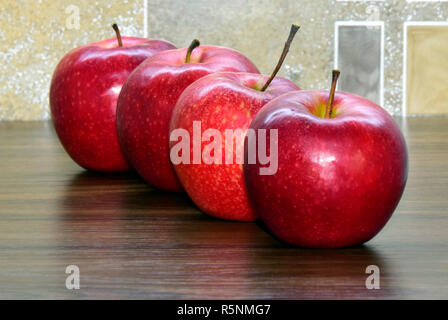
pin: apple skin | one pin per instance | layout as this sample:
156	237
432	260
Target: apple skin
222	101
147	101
83	98
338	180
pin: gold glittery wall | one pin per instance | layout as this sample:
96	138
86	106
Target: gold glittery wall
34	37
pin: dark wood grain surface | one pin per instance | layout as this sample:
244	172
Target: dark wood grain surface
131	241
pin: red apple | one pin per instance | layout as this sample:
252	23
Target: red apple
148	98
221	103
83	98
342	168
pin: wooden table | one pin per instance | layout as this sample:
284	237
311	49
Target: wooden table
130	241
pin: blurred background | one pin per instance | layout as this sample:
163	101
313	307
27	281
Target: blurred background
394	52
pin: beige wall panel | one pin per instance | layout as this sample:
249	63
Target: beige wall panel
427	70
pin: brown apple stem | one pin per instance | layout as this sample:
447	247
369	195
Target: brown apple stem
334	81
117	32
194	44
292	33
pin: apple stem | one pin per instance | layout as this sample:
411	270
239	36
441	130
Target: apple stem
117	32
334	81
292	33
194	44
